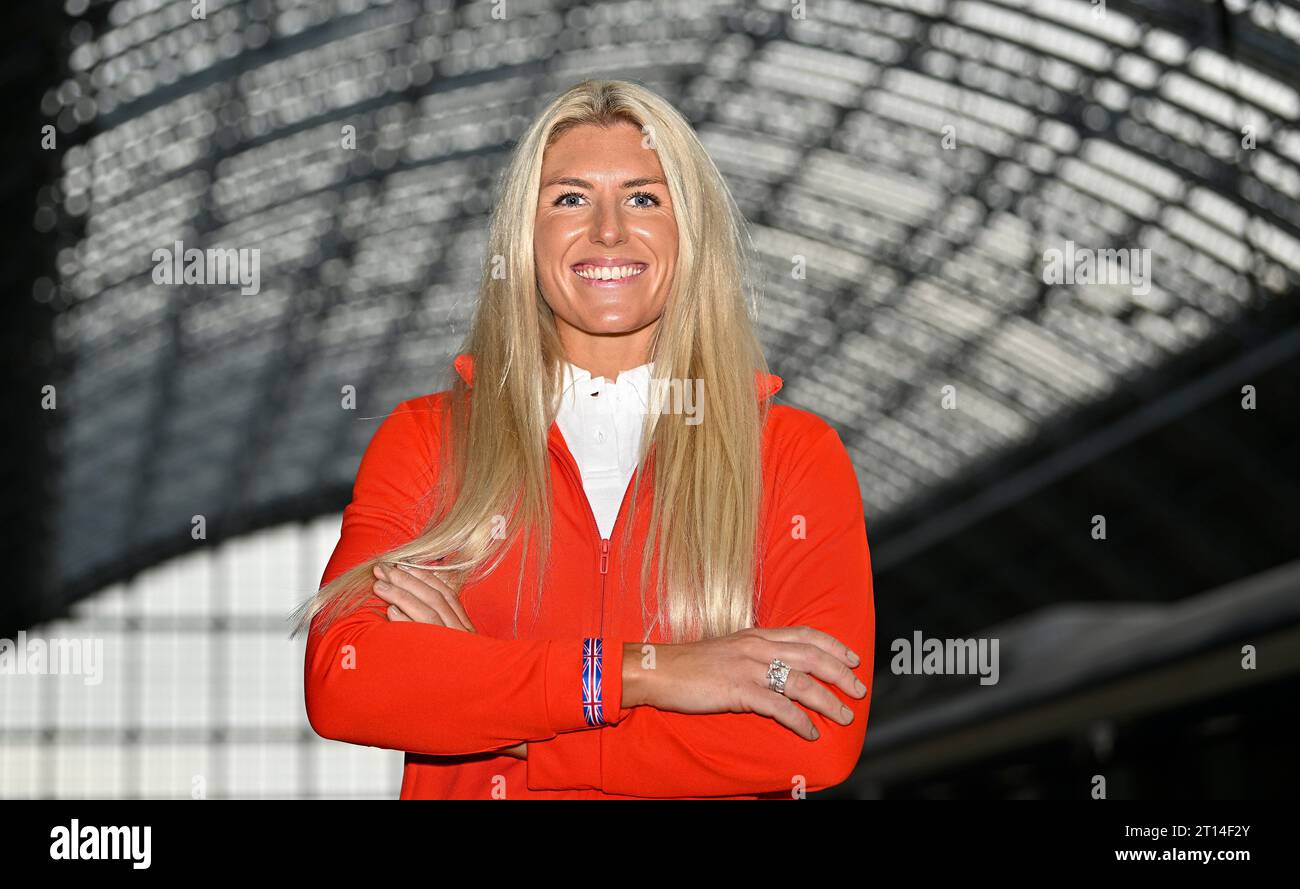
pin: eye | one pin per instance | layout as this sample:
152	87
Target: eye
652	199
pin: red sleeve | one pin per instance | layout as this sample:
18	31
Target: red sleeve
822	580
419	687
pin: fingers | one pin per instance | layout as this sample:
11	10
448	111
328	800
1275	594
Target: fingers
424	591
768	703
431	578
801	687
395	613
398	588
816	662
811	636
519	751
812	655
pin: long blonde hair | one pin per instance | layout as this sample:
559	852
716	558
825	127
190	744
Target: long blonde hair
493	460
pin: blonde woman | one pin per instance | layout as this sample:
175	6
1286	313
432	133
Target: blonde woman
603	564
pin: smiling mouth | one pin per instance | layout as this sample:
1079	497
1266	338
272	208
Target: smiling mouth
610	275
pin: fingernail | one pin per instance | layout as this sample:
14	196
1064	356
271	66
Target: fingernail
381	586
854	659
816	734
846	713
862	689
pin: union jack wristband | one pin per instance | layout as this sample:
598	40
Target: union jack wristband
593	707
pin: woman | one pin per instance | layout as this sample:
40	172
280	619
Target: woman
730	658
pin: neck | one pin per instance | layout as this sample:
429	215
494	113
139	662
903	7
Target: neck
607	355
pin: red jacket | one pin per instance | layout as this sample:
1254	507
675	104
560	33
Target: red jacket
449	697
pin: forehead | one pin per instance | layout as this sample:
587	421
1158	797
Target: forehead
589	149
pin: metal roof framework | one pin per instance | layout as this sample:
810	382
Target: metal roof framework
922	156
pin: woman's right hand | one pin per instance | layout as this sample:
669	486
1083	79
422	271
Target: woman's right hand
729	675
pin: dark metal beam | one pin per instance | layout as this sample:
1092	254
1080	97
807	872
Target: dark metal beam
1091	448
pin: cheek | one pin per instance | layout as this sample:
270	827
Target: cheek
666	246
546	239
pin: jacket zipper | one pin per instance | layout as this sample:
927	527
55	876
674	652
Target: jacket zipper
572	470
604	569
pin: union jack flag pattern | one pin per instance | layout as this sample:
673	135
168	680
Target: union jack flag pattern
593	707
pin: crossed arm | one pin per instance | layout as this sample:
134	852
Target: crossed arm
515	697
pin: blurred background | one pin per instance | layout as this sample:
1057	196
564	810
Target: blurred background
1100	476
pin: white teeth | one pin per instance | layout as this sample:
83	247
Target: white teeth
608	273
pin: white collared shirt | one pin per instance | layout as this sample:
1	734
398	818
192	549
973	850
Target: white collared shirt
601	423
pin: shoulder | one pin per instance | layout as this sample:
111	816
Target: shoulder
423	413
790	431
409	431
801	449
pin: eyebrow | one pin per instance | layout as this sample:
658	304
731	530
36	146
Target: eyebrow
583	183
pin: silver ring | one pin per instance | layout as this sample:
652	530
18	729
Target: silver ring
776	676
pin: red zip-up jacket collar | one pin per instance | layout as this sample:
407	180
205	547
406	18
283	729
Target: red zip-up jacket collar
450	698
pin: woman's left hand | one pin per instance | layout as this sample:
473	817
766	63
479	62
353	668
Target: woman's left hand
418	594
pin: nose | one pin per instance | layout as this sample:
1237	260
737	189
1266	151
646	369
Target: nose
607	223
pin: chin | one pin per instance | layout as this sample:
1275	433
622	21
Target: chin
614	328
613	324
